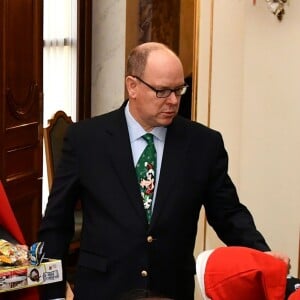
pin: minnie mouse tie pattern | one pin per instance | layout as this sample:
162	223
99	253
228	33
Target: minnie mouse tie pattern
145	171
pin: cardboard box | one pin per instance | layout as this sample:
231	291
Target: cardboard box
13	278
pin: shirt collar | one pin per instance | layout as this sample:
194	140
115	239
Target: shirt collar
136	130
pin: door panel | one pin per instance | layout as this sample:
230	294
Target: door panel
21	110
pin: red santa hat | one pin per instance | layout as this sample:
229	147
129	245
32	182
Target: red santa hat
7	217
295	295
237	273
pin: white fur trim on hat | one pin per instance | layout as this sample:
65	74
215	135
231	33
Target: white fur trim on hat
200	270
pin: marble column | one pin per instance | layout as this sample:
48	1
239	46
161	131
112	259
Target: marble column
108	55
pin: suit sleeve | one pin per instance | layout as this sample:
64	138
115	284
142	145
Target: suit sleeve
231	220
57	226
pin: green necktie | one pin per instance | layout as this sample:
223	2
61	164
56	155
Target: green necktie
146	171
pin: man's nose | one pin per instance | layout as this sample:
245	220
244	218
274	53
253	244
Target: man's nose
173	98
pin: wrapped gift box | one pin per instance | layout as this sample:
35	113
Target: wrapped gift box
13	278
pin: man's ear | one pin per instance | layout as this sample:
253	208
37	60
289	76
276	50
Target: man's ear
131	86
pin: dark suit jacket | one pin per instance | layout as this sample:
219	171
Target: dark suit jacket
97	166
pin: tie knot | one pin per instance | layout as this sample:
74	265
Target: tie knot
148	137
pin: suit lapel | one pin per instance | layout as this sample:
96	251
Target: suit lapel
172	161
121	154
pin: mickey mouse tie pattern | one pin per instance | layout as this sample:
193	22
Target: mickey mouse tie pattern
146	171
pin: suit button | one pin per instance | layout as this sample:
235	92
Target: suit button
149	239
144	273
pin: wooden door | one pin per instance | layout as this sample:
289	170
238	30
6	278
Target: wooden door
21	49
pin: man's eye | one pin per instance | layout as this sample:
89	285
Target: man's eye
164	93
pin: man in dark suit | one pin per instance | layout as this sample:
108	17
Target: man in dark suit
121	250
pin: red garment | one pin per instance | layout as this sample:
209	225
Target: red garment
10	224
237	273
295	295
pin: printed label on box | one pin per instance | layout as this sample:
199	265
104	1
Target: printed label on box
12	278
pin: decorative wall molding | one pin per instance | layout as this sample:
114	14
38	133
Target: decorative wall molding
21	109
277	7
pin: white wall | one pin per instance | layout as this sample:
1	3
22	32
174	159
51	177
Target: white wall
270	161
255	104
